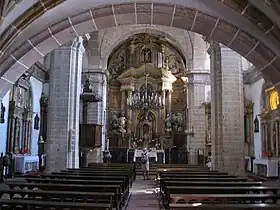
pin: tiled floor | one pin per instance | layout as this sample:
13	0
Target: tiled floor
143	195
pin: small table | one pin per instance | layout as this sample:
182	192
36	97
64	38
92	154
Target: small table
26	163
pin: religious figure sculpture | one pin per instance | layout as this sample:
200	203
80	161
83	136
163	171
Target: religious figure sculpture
2	117
121	123
177	121
114	124
168	123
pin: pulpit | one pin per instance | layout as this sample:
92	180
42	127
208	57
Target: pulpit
90	135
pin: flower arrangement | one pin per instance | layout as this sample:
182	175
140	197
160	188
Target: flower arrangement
268	154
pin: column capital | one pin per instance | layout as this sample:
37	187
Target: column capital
77	44
213	47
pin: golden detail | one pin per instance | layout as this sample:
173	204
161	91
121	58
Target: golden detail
273	100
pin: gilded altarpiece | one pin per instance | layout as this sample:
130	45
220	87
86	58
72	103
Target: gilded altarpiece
270	126
248	128
20	118
145	61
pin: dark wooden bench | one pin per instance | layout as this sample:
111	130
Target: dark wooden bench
33	204
99	173
206	183
224	206
81	177
195	179
170	173
116	189
220	189
197	175
53	195
131	167
125	189
224	198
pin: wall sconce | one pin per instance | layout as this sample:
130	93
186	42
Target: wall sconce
256	125
36	122
2	117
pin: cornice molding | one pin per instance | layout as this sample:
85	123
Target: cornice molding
251	76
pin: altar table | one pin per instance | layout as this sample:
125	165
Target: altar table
26	163
151	154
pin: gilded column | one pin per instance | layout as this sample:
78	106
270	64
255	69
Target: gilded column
129	117
123	105
163	111
169	101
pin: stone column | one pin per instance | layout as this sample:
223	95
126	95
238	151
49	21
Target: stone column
196	113
62	145
227	110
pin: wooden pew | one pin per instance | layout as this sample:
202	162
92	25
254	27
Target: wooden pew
125	189
223	189
116	189
100	173
224	206
62	196
197	175
206	183
59	175
131	167
224	198
33	204
237	179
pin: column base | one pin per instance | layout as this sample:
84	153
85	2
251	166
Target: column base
95	156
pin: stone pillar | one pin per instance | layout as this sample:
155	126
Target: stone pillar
62	146
196	113
227	110
97	111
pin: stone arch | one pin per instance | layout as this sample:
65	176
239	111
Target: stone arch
21	48
108	45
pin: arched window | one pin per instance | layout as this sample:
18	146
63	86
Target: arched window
20	118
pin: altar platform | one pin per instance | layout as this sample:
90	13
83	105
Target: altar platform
166	156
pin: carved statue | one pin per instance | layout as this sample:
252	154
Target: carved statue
168	123
114	124
177	121
118	124
2	117
121	123
87	87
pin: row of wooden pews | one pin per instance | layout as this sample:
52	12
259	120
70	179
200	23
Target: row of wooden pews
198	188
99	186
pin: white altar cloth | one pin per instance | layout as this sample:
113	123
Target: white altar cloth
151	154
26	163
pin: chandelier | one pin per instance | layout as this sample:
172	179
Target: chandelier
145	98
